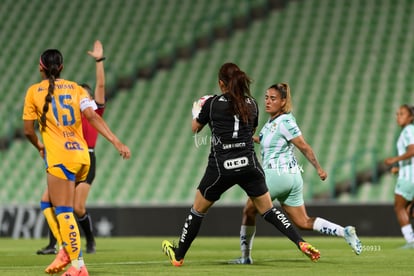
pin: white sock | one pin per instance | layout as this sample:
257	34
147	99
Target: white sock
328	228
80	262
407	231
75	263
247	233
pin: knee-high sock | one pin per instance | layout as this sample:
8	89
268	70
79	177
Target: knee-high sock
86	223
282	223
69	231
407	231
328	228
247	233
189	233
51	219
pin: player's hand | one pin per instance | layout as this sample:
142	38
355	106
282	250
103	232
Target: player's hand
395	170
322	174
123	150
196	109
41	149
97	52
197	105
390	161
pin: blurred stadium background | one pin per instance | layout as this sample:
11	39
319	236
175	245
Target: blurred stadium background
349	64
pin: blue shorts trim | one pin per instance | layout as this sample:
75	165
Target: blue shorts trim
69	175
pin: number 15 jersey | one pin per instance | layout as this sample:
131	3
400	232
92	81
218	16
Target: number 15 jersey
62	135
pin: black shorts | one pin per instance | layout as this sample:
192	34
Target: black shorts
213	185
92	169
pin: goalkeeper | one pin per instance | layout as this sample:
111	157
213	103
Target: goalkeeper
232	118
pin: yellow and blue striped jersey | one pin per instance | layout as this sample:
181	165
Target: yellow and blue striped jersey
62	135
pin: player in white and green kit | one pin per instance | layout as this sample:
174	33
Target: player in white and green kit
282	171
404	190
278	138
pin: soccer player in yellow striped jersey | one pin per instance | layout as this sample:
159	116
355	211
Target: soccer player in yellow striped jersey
404	189
62	130
278	138
57	105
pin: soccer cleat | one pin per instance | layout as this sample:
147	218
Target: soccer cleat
48	250
408	245
242	260
72	271
169	250
352	239
310	251
90	247
59	263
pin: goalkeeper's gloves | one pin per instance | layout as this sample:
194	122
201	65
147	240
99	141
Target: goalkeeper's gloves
196	109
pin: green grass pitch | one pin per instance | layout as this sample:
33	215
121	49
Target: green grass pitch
209	256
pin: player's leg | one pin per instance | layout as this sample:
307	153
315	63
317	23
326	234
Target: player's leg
61	185
410	209
85	221
247	232
60	191
211	187
53	225
51	247
49	213
189	232
403	218
248	228
403	193
300	218
294	206
274	216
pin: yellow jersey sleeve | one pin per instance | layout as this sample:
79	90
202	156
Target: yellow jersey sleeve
29	108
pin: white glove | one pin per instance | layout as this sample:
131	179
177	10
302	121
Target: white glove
198	104
196	109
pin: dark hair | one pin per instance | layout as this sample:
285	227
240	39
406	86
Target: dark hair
409	108
238	87
87	87
284	91
51	62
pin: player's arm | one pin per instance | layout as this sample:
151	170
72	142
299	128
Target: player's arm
196	126
98	55
100	125
30	133
307	151
407	155
256	139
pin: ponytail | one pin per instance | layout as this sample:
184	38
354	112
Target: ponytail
51	62
238	88
48	100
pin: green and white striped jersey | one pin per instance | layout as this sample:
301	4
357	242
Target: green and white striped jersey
276	148
406	167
